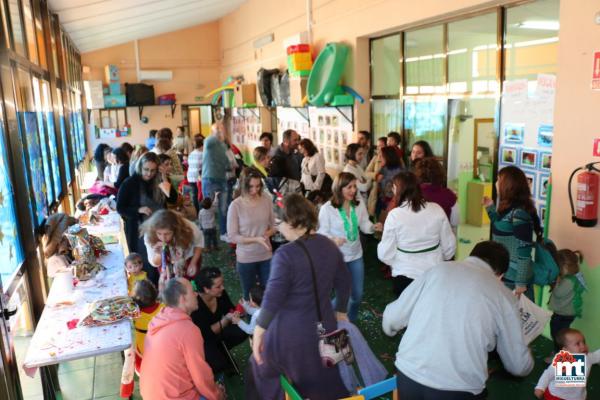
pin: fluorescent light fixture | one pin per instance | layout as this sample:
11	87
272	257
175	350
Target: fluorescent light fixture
263	41
540	25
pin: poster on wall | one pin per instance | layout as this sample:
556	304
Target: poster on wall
11	251
294	118
36	168
331	130
528	132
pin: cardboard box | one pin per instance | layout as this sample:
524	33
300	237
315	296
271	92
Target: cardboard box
114	88
94	96
115	101
245	94
297	90
111	74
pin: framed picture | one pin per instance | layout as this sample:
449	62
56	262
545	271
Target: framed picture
514	133
508	155
528	159
542	213
543	188
545	161
545	135
531	180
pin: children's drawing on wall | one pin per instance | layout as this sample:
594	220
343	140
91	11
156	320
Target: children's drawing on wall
528	159
545	135
531	182
509	155
514	133
545	161
334	120
544	182
321	120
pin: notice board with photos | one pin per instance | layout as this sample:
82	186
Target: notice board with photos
331	130
527	132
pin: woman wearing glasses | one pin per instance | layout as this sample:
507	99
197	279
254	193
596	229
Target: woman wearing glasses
285	339
139	196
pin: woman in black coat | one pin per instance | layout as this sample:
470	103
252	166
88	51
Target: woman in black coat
139	196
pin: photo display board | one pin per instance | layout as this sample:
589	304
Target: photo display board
331	130
527	132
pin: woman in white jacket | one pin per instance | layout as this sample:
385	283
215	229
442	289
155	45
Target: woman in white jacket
313	166
417	234
354	156
340	219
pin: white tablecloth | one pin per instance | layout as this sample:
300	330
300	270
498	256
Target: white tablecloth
53	342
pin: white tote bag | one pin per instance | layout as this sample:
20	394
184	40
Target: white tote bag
533	318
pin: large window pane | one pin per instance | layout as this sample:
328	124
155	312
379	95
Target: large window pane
472	59
424	60
43	140
425	119
17	27
52	141
30	30
39	32
385	66
63	136
531	40
386	116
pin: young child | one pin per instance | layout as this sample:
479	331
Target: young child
573	341
145	296
206	221
133	266
566	297
252	308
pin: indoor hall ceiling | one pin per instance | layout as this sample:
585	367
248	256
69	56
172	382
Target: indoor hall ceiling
96	24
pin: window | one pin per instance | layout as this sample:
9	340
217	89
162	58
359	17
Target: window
385	66
52	141
472	55
63	136
39	31
424	60
425	119
54	47
30	30
17	27
386	116
43	140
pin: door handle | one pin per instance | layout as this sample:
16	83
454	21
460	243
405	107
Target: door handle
6	313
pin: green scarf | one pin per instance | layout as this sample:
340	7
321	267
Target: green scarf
351	227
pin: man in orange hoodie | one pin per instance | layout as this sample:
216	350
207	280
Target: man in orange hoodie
173	366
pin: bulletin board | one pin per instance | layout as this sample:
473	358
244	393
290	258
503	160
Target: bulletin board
527	132
294	118
331	130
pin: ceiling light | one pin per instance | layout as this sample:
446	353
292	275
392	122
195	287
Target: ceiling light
539	25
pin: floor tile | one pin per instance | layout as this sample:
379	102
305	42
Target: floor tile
107	380
77	385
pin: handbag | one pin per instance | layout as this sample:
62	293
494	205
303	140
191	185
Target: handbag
334	346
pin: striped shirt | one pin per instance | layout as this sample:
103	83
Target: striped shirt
194	166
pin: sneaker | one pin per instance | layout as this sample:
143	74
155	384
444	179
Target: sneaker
224	238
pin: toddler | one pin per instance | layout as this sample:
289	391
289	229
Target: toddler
566	297
251	308
133	266
573	341
206	221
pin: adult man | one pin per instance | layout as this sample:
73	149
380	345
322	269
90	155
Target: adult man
174	366
364	141
214	172
456	313
287	151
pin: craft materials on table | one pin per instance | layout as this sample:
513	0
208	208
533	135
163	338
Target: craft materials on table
56	339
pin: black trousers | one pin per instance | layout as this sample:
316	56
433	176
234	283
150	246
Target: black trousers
558	323
214	352
411	390
400	283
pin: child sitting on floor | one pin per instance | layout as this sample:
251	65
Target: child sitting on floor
252	308
573	341
133	266
566	297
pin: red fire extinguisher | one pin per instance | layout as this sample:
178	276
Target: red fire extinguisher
585	210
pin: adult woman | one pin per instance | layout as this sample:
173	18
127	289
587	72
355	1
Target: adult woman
431	177
164	144
250	223
139	196
513	224
120	166
420	149
285	338
390	166
181	143
266	139
213	317
313	166
138	152
354	156
341	219
262	159
416	234
100	153
371	172
182	238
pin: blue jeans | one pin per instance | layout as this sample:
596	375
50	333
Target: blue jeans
209	187
249	272
357	271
